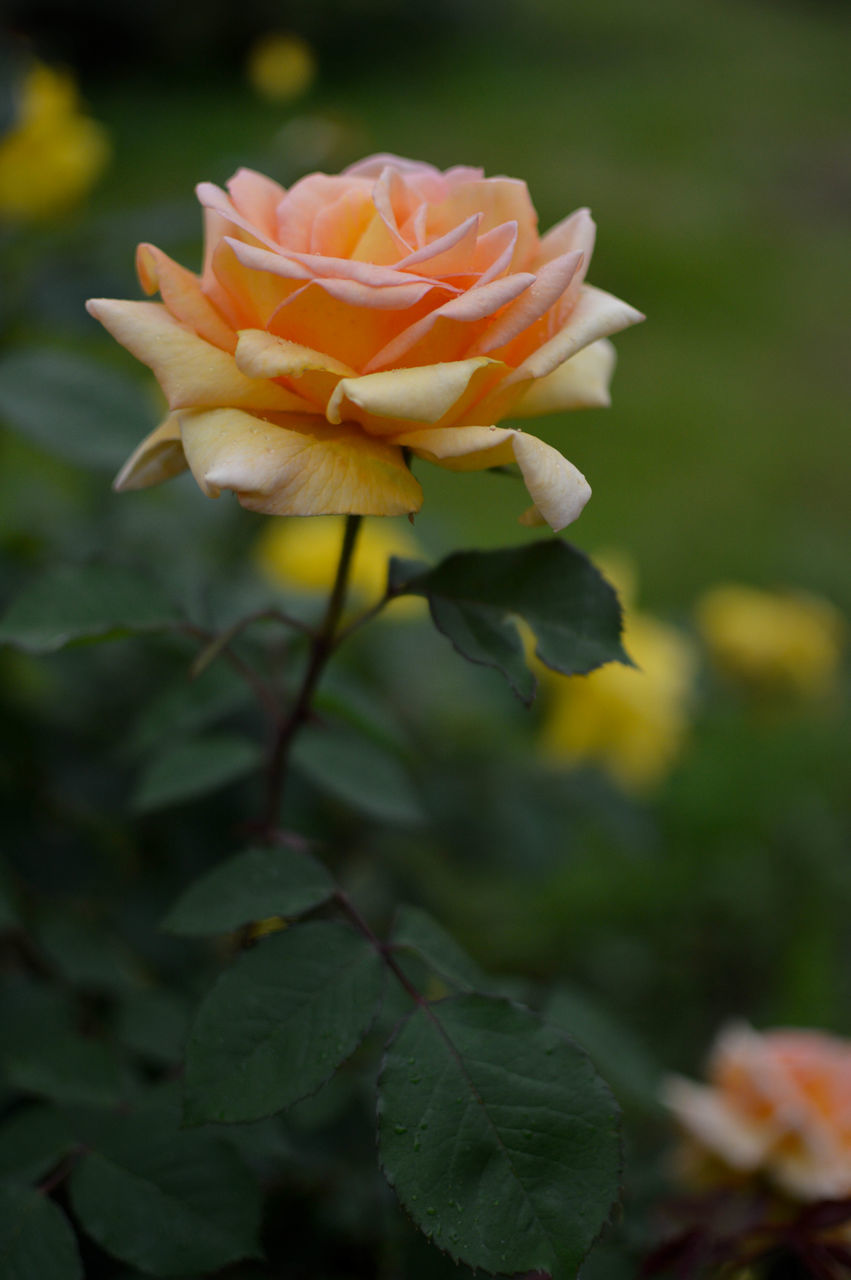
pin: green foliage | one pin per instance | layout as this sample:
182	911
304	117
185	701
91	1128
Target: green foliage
252	885
67	1068
36	1241
280	1021
551	586
71	603
415	930
360	772
32	1141
72	406
168	1201
498	1136
619	1056
193	768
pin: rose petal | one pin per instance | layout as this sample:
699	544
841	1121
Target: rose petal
159	457
577	232
597	314
499	200
257	198
558	490
550	283
190	371
181	292
580	383
300	466
261	355
426	393
704	1114
420	344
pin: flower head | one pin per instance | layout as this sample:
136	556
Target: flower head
53	153
338	327
777	1104
783	642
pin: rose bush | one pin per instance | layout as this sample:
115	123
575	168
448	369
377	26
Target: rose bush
339	324
778	1103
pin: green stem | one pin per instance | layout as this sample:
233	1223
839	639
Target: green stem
321	648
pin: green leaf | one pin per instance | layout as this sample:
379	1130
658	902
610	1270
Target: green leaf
189	706
552	586
498	1136
8	905
167	1201
415	930
73	406
251	886
615	1051
85	953
358	771
194	768
153	1024
67	1068
36	1239
69	603
32	1141
280	1021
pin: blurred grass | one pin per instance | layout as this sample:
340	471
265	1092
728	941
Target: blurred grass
709	142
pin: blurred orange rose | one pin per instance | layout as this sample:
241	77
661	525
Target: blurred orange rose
340	323
778	1104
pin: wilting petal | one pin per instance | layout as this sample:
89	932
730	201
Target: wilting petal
558	490
159	457
190	371
580	383
426	393
181	292
300	466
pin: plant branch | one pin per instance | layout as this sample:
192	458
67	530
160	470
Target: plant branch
321	647
384	949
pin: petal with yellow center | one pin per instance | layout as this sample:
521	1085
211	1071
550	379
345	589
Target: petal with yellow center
429	394
261	355
558	490
300	466
580	383
191	372
181	292
159	457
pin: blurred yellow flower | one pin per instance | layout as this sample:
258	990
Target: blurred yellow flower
775	642
302	556
53	153
631	722
281	67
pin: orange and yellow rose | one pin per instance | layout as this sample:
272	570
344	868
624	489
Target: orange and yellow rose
353	320
777	1104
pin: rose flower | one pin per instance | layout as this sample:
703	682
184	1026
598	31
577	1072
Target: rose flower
778	1104
340	324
